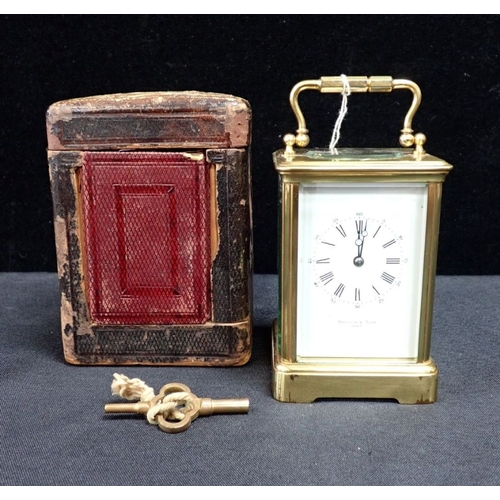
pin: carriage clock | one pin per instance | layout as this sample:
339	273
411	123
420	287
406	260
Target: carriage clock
359	237
152	208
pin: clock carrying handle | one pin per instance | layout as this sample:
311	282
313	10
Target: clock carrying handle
335	84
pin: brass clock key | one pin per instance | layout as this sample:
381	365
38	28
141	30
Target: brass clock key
175	407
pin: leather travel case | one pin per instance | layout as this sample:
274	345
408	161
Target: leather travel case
152	217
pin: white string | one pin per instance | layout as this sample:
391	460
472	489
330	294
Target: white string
346	92
131	388
173	406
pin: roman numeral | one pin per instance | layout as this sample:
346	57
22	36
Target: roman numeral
340	229
376	291
388	278
389	243
377	231
326	278
390	260
327	243
340	290
357	294
326	260
359	226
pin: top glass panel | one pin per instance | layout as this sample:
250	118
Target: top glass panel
354	154
370	161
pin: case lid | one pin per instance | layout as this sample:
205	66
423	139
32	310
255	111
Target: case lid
174	120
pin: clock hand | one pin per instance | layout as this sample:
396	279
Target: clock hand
360	241
363	236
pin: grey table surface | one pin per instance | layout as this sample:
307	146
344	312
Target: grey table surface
54	432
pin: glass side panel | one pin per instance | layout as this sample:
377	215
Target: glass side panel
280	225
360	266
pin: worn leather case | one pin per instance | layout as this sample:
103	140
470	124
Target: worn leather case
152	217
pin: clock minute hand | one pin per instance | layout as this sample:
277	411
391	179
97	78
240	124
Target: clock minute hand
363	235
360	241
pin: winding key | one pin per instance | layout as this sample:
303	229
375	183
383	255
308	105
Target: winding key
176	407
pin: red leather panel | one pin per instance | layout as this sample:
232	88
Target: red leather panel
146	224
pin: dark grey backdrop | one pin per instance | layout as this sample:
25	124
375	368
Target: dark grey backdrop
455	60
53	430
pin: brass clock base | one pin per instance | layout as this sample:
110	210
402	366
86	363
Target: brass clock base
408	383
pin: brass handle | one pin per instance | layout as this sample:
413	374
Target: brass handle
335	84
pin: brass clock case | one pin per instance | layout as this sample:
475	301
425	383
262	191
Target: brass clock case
300	379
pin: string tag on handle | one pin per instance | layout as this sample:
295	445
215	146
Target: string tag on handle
346	92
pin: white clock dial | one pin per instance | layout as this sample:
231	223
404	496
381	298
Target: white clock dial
360	254
371	254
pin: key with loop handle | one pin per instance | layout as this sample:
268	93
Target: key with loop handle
176	407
